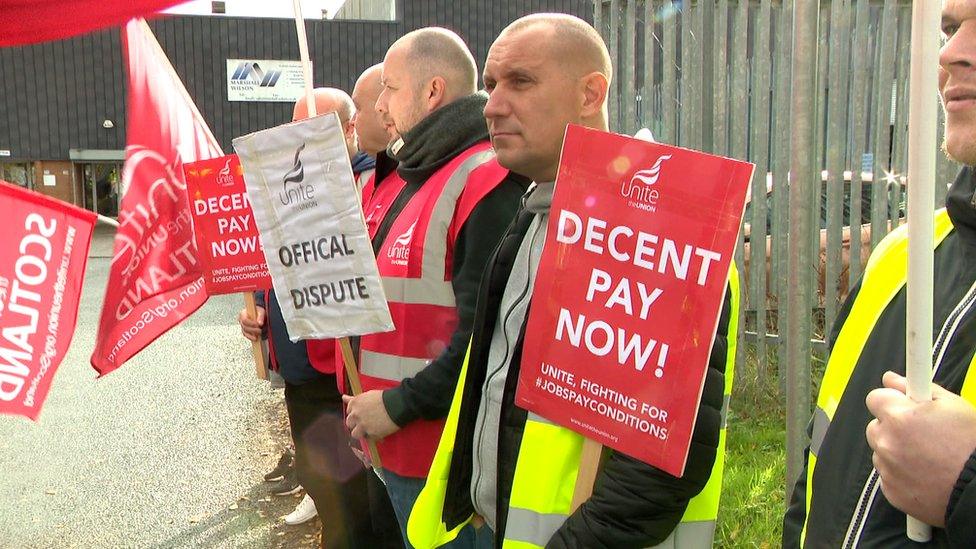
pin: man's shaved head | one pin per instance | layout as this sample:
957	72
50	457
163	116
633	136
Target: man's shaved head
371	134
326	100
331	100
370	76
423	71
569	39
436	51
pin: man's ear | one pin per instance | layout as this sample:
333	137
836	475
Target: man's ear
436	93
595	87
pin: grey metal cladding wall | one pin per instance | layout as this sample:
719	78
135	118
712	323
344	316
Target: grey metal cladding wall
55	96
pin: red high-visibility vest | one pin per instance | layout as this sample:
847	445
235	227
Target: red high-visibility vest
416	264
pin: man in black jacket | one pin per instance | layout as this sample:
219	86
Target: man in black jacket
544	72
875	454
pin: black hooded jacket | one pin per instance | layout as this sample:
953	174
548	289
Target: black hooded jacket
633	504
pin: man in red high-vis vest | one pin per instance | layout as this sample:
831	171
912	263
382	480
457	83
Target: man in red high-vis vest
373	139
434	228
370	133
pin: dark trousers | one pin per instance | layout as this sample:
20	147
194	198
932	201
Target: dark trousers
331	474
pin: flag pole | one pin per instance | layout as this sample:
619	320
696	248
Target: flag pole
306	61
586	476
260	367
164	60
922	142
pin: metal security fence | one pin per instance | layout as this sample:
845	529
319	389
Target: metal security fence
716	76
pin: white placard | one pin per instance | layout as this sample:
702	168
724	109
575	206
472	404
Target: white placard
50	180
307	210
264	80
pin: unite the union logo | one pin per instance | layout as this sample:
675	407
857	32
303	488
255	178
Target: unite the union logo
640	191
294	190
224	178
399	252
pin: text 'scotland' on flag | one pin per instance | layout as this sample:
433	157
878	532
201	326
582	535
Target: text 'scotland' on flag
42	265
155	279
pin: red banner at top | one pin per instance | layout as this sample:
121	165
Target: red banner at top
42	265
31	21
155	278
629	290
223	223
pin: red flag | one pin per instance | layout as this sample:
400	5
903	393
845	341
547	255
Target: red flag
31	21
155	280
42	264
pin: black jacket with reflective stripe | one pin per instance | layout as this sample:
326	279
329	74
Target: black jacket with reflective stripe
844	460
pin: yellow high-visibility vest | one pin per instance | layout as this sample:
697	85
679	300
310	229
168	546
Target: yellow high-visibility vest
546	471
884	276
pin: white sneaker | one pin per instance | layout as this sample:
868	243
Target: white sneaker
304	512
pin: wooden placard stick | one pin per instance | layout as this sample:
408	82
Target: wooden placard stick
352	371
252	312
589	466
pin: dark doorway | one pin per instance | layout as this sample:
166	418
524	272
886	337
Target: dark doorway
102	183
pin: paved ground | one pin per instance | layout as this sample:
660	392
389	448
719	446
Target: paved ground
167	451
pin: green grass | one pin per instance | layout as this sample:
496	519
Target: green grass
751	509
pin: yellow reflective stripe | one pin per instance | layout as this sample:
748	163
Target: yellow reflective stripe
871	301
419	291
435	240
884	277
362	179
968	391
820	424
425	527
811	465
516	544
546	469
726	401
704	506
531	527
733	328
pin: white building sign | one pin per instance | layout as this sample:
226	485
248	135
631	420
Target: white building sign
264	80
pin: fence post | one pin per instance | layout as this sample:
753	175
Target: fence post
803	166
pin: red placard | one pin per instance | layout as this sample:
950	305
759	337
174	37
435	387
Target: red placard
42	265
629	291
223	225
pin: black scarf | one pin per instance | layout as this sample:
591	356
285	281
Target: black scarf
961	204
440	136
